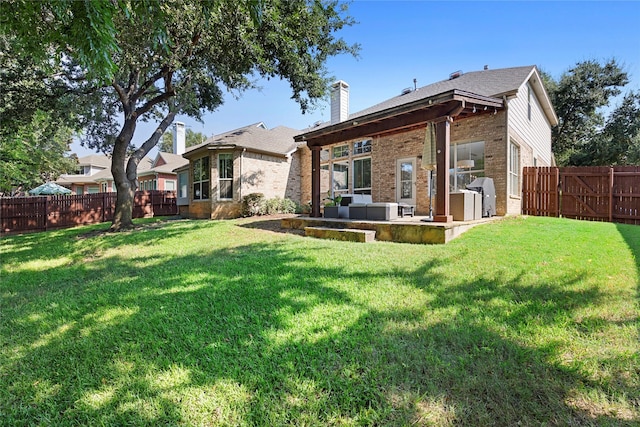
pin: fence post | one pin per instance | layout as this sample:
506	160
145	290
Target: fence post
558	194
537	196
611	194
46	214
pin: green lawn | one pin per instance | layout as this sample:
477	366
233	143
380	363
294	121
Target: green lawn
527	320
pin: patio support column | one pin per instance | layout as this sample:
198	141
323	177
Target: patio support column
443	136
315	181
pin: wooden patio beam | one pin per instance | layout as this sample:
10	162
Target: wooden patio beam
443	138
315	181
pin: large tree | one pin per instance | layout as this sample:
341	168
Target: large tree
179	57
579	98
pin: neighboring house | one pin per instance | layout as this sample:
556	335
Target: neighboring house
91	169
94	175
227	167
155	174
487	123
161	175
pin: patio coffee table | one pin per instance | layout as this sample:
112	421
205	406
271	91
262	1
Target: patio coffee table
405	209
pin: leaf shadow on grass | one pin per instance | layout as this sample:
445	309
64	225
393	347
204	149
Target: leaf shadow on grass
262	335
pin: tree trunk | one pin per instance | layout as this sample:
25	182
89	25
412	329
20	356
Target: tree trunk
126	185
126	176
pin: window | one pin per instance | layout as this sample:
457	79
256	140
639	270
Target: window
362	147
340	151
344	169
466	163
340	177
362	176
183	184
201	173
169	185
225	176
514	170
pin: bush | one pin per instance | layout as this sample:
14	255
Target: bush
253	204
278	205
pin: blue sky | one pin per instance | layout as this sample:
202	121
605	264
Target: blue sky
428	40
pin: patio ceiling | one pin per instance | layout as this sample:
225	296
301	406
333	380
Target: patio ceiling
452	104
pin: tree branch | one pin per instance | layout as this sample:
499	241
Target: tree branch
165	96
122	95
150	81
138	155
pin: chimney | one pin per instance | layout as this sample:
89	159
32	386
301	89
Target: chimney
178	138
339	102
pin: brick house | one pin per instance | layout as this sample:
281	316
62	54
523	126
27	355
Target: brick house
94	171
487	123
227	167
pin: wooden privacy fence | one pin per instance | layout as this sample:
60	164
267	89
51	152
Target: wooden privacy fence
20	214
590	193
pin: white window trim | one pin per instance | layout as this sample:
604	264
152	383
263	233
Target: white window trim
514	174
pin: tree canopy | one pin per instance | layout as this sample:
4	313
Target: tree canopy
584	135
151	60
37	121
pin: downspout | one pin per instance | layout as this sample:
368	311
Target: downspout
507	145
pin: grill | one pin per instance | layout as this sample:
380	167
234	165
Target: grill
485	187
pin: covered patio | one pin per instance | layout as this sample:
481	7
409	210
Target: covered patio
440	110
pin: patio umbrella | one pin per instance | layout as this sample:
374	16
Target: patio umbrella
429	148
48	189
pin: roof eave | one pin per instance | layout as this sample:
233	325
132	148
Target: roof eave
543	96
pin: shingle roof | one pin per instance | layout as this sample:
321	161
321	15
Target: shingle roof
95	160
490	83
104	174
278	140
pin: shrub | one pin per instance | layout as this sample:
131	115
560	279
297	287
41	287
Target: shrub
253	204
278	205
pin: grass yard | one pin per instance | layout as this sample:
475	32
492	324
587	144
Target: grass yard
525	321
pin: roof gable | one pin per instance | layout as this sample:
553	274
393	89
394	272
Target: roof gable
488	83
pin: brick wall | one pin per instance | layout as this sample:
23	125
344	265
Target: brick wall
266	174
492	130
